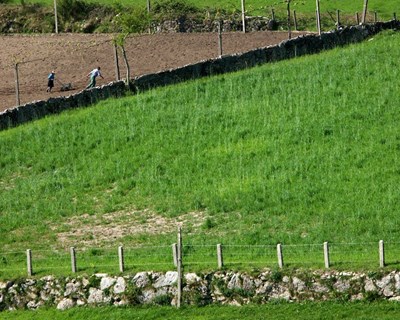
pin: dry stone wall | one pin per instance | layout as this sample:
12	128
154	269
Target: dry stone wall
228	288
302	45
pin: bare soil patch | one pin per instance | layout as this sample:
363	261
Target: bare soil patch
108	229
73	56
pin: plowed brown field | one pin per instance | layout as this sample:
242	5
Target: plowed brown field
73	56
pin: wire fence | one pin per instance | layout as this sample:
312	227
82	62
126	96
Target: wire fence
199	258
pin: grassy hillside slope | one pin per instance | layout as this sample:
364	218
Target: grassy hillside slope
301	151
385	9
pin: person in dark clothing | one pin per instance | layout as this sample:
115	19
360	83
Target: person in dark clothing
50	81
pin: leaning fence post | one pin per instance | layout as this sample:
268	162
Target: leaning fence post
29	262
295	20
121	258
219	256
326	255
381	253
73	259
280	255
357	18
364	16
175	254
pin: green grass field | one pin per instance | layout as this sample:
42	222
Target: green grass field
299	152
385	9
278	311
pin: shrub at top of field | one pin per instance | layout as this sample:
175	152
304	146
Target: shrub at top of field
306	150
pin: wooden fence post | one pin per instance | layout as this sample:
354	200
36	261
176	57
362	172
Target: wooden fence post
318	17
288	20
116	60
364	16
175	254
357	18
326	255
337	19
295	20
148	11
17	85
243	16
219	256
394	16
381	254
280	255
179	298
219	39
273	14
55	16
73	259
29	262
375	17
121	258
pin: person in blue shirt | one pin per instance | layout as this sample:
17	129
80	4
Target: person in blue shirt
93	75
50	81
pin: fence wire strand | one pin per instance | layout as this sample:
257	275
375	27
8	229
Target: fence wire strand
200	256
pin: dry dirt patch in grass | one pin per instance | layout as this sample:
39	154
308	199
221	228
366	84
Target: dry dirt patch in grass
108	229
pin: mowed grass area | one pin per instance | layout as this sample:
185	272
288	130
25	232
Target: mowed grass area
384	9
273	311
297	152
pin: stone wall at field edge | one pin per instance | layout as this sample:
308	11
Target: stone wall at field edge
222	287
302	45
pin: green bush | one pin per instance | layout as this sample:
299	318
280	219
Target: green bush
73	10
173	9
133	21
